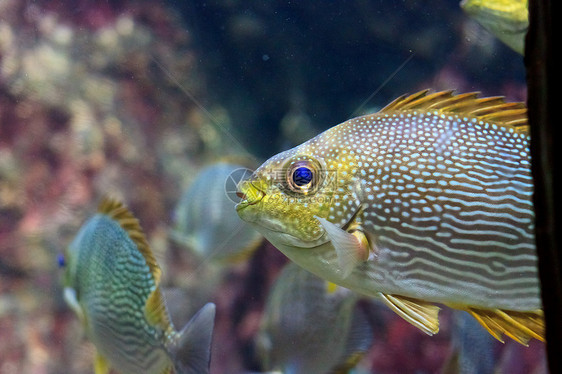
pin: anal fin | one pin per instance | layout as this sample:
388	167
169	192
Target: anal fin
419	313
519	326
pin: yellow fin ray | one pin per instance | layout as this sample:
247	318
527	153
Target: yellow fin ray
168	370
419	313
119	212
519	326
101	366
469	104
155	310
331	287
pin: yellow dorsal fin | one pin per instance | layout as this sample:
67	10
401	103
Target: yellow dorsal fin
119	212
155	310
419	313
519	326
493	109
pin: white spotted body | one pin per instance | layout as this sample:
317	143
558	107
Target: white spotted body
429	200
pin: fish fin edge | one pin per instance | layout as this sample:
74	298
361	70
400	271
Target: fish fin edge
191	348
69	295
117	211
422	314
101	365
352	249
519	326
155	310
495	109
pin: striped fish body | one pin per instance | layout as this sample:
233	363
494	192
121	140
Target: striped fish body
115	321
429	199
447	201
112	284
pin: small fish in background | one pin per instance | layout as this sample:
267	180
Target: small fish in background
428	201
310	326
296	126
473	348
508	20
205	218
111	282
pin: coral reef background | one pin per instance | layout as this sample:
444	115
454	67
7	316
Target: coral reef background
133	98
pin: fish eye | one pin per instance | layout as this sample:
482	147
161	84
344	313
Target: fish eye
61	261
303	176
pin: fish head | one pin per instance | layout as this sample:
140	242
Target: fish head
68	261
285	195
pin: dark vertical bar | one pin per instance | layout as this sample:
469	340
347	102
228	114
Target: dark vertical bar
545	154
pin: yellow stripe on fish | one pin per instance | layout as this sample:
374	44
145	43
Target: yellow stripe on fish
427	201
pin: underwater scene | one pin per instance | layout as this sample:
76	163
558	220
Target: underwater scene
244	187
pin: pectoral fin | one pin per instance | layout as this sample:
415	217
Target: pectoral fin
519	326
69	295
351	248
101	366
419	313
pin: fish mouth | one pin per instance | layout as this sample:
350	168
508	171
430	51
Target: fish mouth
249	195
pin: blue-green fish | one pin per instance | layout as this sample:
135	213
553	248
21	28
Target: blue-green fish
310	326
427	201
112	283
205	219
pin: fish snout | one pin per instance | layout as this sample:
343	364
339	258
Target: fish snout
249	194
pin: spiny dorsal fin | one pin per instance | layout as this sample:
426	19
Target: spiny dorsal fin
115	210
519	326
155	310
493	109
419	313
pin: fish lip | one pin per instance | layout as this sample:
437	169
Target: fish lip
246	202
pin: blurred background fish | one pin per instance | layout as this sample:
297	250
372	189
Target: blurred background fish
205	219
112	284
310	326
508	20
473	349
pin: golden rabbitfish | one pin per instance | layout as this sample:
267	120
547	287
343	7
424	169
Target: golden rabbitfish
112	283
427	201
